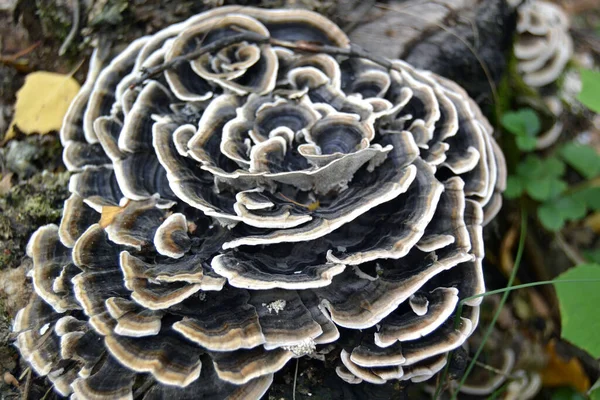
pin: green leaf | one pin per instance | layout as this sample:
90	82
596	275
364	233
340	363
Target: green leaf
514	187
579	307
526	143
535	167
553	167
583	159
550	218
524	122
590	88
555	213
589	196
570	208
530	167
544	188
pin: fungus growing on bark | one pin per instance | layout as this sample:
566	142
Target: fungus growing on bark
544	45
235	209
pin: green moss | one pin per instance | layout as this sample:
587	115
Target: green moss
55	20
25	208
40	206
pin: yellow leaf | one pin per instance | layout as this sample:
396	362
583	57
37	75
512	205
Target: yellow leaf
42	103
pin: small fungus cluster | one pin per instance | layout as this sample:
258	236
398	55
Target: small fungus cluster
253	204
544	45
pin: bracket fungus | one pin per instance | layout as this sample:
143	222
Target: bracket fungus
544	45
253	203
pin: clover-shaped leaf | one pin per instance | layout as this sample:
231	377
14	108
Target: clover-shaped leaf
538	168
584	159
540	178
530	167
514	187
545	189
550	218
525	125
553	214
589	196
526	143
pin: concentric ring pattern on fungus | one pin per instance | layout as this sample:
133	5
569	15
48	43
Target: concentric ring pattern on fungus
252	205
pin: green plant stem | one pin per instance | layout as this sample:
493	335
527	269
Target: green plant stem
443	377
528	285
498	291
511	279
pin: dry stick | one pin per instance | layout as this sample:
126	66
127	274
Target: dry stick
494	370
21	53
353	52
140	391
27	388
24	373
214	46
569	251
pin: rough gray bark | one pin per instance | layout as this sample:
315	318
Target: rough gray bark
431	35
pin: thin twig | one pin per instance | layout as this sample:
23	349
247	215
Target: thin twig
74	29
27	387
47	393
14	57
24	373
529	285
353	52
140	391
295	378
569	251
494	370
212	47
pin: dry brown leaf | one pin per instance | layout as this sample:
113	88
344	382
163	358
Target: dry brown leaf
109	213
561	372
42	103
6	183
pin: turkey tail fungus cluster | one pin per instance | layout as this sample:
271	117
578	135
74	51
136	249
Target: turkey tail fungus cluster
543	46
254	203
